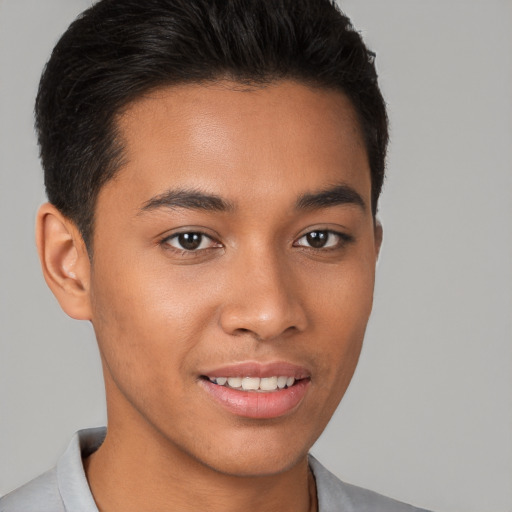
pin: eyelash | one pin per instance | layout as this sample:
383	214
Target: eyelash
184	251
343	240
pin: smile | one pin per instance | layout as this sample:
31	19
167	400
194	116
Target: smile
256	390
263	384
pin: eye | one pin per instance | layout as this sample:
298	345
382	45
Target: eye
322	239
190	241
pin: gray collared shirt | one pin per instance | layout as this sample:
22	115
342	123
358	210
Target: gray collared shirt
64	488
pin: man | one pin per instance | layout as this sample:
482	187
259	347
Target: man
213	171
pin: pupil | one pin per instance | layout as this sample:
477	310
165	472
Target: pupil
317	239
190	241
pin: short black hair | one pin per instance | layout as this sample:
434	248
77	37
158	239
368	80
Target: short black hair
118	50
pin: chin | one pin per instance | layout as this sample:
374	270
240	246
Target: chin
260	467
256	455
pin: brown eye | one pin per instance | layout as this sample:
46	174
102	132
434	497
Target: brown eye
192	241
318	239
323	239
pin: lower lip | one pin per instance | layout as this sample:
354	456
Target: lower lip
254	404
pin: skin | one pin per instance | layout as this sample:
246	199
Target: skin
254	291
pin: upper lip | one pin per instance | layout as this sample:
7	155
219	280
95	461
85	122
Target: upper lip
257	369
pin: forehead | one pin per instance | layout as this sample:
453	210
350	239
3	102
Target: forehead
224	137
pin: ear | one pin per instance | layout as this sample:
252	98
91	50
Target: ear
377	234
64	260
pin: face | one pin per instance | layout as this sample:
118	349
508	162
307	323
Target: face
233	271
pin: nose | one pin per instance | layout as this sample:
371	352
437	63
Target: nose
264	298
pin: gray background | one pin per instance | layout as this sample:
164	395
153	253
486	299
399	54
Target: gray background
428	417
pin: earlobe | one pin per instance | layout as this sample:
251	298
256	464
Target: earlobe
64	261
378	234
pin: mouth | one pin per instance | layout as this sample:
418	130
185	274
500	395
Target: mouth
259	391
261	384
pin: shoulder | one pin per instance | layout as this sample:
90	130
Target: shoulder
335	495
41	494
62	488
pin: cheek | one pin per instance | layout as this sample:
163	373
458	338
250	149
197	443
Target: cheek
345	294
343	310
147	321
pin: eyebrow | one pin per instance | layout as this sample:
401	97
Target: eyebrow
197	200
189	199
338	195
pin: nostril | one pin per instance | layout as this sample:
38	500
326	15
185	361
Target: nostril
263	320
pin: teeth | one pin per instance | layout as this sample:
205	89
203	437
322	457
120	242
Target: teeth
255	383
235	382
251	383
281	382
268	383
